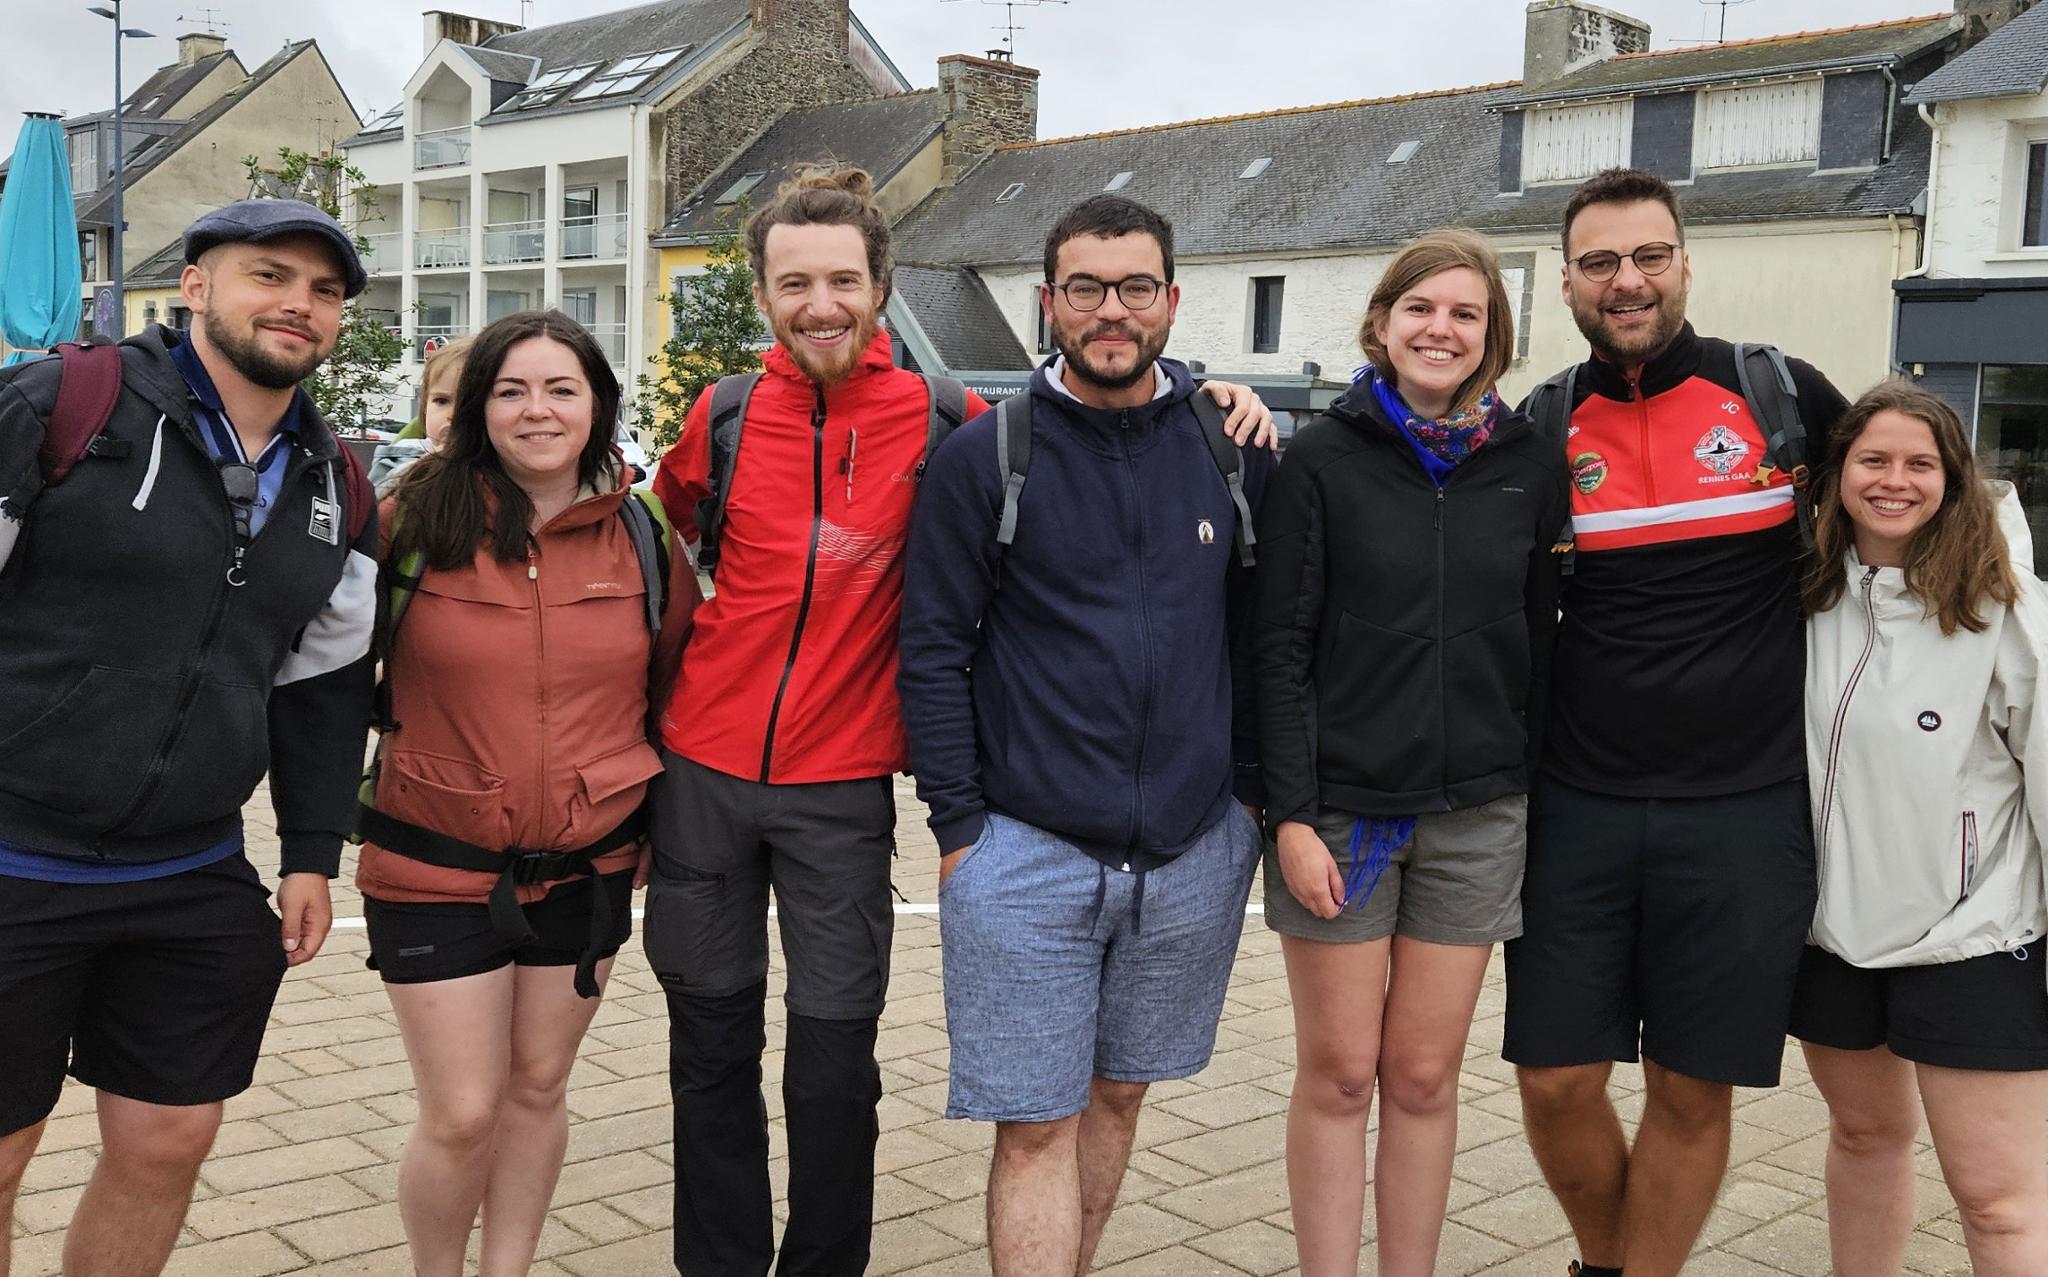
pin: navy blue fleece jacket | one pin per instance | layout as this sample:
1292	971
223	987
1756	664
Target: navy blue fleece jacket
1093	678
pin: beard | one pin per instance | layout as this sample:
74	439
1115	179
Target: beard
1075	348
270	371
1616	349
832	369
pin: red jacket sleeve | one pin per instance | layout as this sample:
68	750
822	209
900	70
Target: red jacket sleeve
683	477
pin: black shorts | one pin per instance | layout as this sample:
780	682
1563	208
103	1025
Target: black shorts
1981	1013
158	991
420	943
1669	925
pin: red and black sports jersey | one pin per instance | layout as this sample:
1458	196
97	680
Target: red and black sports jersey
1680	659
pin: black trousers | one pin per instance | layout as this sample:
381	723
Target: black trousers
721	843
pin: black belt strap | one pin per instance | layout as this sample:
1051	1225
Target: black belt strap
515	867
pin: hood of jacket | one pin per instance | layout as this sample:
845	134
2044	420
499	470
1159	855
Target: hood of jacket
1102	428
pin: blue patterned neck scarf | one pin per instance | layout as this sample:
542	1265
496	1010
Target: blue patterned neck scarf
1440	444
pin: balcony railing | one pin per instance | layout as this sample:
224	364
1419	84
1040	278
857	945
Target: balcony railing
431	337
601	237
514	242
613	338
382	254
445	247
442	148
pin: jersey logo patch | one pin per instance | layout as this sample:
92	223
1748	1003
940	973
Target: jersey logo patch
1589	471
1205	532
1929	720
1720	450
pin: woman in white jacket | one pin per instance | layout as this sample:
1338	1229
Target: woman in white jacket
1926	969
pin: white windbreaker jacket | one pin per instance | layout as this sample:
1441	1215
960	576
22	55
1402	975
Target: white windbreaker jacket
1927	821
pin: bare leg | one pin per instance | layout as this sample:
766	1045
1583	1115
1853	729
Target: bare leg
1430	996
1991	1134
458	1035
548	1022
1578	1141
1104	1149
15	1150
1675	1168
135	1203
1337	991
1034	1199
1872	1119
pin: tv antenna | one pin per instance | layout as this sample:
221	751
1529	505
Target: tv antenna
1009	26
1724	6
208	18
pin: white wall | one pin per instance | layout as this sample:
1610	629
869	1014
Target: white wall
1979	189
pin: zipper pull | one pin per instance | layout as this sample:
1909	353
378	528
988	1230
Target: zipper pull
235	577
1439	521
532	571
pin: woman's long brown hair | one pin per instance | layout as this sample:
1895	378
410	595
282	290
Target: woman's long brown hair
442	508
1958	561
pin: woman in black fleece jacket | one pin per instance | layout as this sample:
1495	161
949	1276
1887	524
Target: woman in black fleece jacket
1407	594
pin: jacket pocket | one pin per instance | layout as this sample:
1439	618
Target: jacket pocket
606	782
447	795
221	752
1376	709
86	753
1971	852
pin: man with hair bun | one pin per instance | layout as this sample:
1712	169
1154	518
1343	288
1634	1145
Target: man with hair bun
780	743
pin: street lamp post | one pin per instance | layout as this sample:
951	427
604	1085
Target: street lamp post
113	15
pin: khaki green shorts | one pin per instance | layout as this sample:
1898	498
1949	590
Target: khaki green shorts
1457	881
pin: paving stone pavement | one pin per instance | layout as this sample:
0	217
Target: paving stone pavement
304	1176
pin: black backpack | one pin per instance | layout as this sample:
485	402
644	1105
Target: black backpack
728	415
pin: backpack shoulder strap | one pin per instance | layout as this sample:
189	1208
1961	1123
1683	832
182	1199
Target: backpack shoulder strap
1550	405
1013	454
358	497
948	413
647	528
728	414
1773	398
88	386
1231	464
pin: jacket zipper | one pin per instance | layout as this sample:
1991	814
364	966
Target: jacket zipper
803	607
1827	802
1635	390
540	646
188	691
1144	632
1443	713
1970	853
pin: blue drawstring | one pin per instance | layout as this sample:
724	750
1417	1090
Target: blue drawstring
1389	835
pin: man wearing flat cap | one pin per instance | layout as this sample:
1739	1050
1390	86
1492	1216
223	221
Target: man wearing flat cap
187	589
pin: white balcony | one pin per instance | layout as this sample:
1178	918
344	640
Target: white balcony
613	338
514	242
442	148
447	247
431	337
601	237
383	253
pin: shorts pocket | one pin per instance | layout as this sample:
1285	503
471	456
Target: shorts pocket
452	796
974	850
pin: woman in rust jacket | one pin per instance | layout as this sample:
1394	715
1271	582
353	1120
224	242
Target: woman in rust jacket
504	841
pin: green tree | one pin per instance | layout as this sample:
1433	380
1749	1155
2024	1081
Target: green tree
366	350
714	332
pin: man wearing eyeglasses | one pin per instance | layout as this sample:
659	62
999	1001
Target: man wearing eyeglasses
1078	701
188	609
1670	879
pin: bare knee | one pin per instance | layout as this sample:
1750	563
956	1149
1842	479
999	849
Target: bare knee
1872	1133
1419	1084
538	1089
1034	1141
1561	1095
462	1125
1991	1206
1688	1105
164	1143
1337	1086
1121	1099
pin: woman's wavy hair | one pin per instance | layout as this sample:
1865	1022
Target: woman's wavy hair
1446	248
443	509
1958	562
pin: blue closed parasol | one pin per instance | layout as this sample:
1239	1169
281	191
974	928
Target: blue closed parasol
39	265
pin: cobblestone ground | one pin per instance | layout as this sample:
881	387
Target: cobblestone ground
304	1176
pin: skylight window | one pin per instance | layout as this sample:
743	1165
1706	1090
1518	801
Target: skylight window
1120	181
655	61
561	75
1405	152
605	86
391	119
1010	192
738	190
1256	167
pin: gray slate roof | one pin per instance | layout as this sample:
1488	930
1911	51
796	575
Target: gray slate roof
160	269
173	82
604	37
1328	185
1877	42
2010	62
960	318
880	135
507	68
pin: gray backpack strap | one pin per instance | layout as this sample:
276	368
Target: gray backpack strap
948	413
1013	453
1549	409
729	399
647	540
1773	399
1231	464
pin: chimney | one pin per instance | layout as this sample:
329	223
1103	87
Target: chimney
1560	36
829	17
195	46
1982	17
989	102
441	25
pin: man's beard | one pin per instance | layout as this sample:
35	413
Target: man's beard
1592	322
836	368
1074	349
252	361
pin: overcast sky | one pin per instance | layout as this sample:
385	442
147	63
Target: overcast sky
1107	63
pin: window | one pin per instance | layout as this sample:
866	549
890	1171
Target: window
85	161
647	61
391	119
1759	124
1256	168
1518	273
1010	192
2012	440
1568	143
2034	234
549	86
1405	152
1042	324
88	254
181	318
740	188
1120	181
148	312
605	86
580	304
1267	291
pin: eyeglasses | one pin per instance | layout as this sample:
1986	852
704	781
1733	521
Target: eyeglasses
1601	265
1136	292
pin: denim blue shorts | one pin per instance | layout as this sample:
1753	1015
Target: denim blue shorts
1059	968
